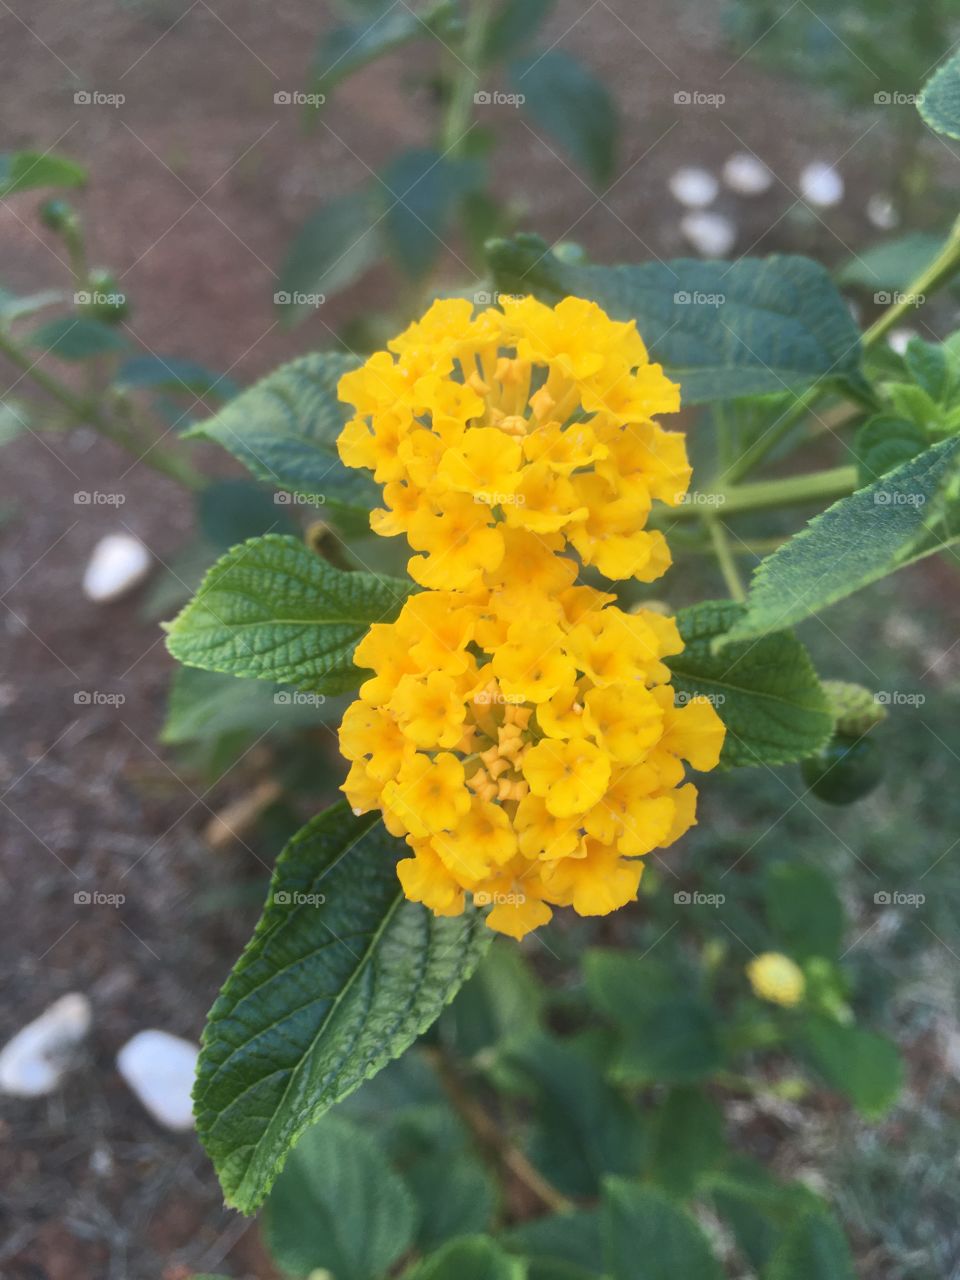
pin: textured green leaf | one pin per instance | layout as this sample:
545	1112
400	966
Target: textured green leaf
864	1066
884	442
668	1031
421	192
472	1258
858	540
77	338
934	367
570	104
284	429
813	1248
341	975
331	250
781	325
170	373
648	1237
205	705
688	1140
273	610
803	910
27	170
767	693
456	1193
338	1206
939	102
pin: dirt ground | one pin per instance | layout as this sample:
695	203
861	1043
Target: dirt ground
197	184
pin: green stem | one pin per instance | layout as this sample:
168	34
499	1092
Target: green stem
933	277
82	411
725	559
465	75
817	486
756	452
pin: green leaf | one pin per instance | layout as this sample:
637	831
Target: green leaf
894	264
332	249
13	306
231	511
933	366
325	994
471	1258
502	999
864	1066
858	540
77	338
338	1206
567	100
284	429
456	1193
781	324
647	1237
803	910
586	1128
170	373
668	1031
421	192
757	1208
885	442
14	421
688	1141
513	24
347	48
767	694
27	170
814	1248
205	705
563	1240
939	102
273	610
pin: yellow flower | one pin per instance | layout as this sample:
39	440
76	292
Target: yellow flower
775	977
518	730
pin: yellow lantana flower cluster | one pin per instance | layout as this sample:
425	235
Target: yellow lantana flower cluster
519	729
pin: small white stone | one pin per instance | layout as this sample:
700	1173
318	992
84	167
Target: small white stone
712	234
36	1059
694	188
821	184
746	174
882	212
119	563
159	1068
899	339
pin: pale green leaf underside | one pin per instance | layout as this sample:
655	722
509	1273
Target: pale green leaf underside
939	104
767	693
273	610
325	994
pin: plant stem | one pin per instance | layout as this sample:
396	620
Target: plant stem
756	452
762	495
490	1138
725	559
456	122
933	277
83	411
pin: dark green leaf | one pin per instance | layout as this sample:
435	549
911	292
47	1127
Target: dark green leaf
886	442
570	104
421	192
284	429
472	1258
647	1237
688	1141
205	705
332	249
513	24
26	170
859	1063
347	48
231	511
814	1248
340	977
757	1208
767	694
803	910
502	999
564	1239
892	265
338	1206
781	324
77	338
939	102
933	366
273	610
858	540
170	373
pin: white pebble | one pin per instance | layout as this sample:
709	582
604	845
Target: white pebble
159	1068
747	175
899	339
821	184
119	563
36	1059
882	212
694	188
712	234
